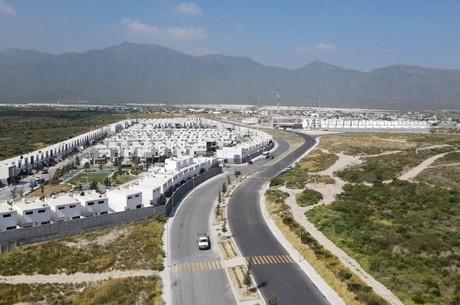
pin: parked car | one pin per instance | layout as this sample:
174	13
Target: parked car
237	173
250	162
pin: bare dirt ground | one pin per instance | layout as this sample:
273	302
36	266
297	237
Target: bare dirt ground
329	191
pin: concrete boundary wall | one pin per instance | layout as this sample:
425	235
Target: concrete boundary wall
11	239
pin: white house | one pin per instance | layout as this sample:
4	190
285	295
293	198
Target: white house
93	203
33	213
8	217
151	191
64	208
124	199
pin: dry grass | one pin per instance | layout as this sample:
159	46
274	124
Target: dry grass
49	189
443	176
227	248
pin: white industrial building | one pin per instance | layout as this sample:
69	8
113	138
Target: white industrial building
315	122
8	217
32	213
64	208
92	203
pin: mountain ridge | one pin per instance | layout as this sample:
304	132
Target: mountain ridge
152	73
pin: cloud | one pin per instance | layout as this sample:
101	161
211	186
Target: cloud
200	51
7	9
172	33
319	47
189	8
325	47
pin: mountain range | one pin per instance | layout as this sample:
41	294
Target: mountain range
154	74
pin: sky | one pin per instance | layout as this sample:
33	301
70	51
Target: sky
355	34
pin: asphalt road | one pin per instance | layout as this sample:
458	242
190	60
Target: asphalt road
286	281
197	277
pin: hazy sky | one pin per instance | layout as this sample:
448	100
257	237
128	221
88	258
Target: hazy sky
357	34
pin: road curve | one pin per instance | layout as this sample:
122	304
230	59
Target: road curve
286	281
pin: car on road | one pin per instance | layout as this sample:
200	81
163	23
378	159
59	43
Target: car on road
237	173
269	157
250	162
203	241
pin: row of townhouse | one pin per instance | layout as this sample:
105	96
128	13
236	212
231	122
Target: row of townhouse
317	123
12	167
150	190
257	141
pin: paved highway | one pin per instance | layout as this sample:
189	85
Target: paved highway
197	276
286	281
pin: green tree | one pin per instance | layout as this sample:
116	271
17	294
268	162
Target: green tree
101	166
247	281
94	186
224	187
219	198
42	188
87	166
77	160
228	180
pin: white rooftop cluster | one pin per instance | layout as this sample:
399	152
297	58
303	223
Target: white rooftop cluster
151	139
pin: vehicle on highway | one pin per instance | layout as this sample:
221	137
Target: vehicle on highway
203	241
269	157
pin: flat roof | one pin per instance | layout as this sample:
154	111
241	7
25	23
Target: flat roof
32	205
123	191
61	200
5	208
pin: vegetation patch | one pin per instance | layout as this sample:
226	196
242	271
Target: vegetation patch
317	160
340	278
384	167
140	290
406	235
357	144
450	158
308	197
86	178
136	246
442	176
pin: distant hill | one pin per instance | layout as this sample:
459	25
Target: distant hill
150	73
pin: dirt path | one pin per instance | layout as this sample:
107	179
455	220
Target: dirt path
413	172
78	277
329	192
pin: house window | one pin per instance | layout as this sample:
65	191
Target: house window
137	195
29	213
61	208
6	215
72	206
138	206
100	202
90	203
129	197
